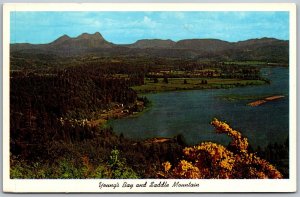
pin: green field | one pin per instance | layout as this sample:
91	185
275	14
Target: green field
246	63
255	63
192	84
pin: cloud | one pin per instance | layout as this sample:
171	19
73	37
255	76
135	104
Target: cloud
149	22
189	28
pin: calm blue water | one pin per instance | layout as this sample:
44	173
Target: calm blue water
190	113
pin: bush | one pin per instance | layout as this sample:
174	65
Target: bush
118	167
210	160
78	168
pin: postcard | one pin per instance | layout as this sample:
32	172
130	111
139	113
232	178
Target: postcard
149	97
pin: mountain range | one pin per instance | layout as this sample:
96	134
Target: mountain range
262	49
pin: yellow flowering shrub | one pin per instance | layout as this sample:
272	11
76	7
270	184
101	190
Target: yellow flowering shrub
238	141
210	160
186	170
167	166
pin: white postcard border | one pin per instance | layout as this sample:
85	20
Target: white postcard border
92	185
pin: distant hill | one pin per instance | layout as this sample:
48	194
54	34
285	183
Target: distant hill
66	45
152	43
204	44
265	49
61	40
84	41
261	49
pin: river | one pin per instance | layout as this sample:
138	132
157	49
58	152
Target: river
190	112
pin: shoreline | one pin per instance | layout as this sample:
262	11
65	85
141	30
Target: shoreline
165	88
118	112
135	114
265	100
121	112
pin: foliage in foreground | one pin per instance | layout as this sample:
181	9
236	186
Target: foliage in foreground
107	155
67	168
210	160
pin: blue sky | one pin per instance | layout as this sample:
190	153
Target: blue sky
128	27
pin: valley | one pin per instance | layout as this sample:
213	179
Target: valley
104	110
